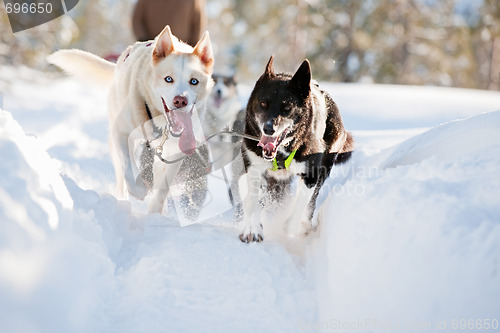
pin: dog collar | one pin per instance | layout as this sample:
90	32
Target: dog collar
288	161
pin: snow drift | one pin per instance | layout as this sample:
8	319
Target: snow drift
413	238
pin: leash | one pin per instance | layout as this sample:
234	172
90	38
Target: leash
165	136
232	133
147	156
167	130
159	149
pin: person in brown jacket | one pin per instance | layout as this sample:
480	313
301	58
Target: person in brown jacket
186	18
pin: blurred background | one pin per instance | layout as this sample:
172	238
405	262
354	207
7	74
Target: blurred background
453	43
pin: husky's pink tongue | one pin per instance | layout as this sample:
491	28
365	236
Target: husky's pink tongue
182	122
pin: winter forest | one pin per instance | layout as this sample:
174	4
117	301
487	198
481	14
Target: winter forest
454	43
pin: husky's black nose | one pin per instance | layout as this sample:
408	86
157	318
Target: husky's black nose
269	127
180	101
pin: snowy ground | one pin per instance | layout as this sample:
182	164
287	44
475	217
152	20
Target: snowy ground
409	237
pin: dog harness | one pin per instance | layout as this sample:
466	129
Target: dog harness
286	163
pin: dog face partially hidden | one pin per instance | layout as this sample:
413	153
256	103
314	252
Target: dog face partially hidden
278	107
223	104
181	77
224	89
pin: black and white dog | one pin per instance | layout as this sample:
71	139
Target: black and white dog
301	137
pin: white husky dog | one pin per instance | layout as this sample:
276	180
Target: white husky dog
161	77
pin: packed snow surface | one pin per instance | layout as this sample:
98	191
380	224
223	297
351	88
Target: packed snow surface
409	235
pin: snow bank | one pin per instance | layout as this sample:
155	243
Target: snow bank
44	268
30	180
71	122
413	236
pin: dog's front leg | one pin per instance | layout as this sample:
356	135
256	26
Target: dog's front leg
157	201
299	222
252	227
163	175
126	181
160	189
119	155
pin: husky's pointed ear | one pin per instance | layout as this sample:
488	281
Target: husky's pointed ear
301	80
164	44
269	72
234	78
203	50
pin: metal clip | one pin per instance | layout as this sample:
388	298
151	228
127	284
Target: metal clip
159	149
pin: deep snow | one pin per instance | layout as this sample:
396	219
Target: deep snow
414	234
410	227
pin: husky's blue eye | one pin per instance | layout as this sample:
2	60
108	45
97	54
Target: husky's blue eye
194	82
169	79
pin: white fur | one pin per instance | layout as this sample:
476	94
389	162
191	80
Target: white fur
320	109
139	78
293	217
85	65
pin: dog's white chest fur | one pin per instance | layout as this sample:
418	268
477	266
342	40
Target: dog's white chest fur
289	212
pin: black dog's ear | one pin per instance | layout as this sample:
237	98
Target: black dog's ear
269	72
301	80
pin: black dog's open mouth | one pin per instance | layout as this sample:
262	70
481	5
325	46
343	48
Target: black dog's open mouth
270	144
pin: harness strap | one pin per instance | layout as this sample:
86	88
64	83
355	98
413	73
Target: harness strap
287	162
148	111
164	133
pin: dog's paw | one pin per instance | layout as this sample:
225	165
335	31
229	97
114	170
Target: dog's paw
252	231
251	237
